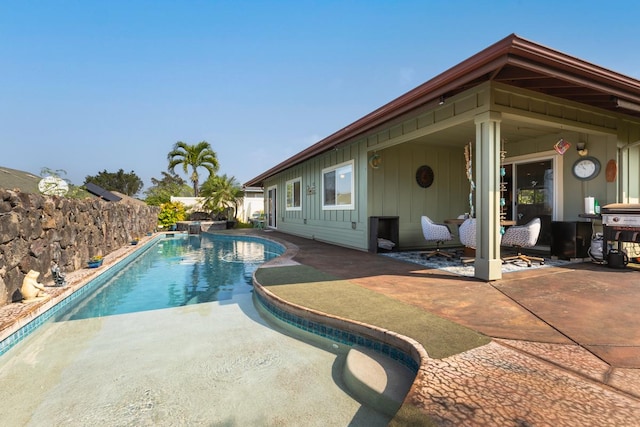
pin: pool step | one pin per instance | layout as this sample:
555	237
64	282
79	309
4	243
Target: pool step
377	380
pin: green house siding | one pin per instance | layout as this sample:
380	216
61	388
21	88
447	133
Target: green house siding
515	97
423	137
346	227
629	163
394	191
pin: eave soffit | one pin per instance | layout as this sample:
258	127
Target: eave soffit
512	61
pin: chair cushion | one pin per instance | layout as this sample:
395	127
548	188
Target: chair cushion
522	235
433	231
467	232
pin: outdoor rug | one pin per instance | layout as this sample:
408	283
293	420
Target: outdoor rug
455	266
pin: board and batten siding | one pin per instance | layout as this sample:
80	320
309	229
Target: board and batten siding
394	191
609	136
629	163
345	227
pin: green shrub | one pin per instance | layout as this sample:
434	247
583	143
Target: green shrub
171	213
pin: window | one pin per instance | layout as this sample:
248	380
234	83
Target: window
294	195
338	187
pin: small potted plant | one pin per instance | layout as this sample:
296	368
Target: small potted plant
95	261
135	240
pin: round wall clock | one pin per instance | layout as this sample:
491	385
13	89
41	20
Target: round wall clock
586	168
424	176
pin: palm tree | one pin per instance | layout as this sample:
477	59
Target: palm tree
194	156
222	192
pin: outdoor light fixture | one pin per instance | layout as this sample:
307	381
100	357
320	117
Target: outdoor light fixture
375	160
441	100
582	148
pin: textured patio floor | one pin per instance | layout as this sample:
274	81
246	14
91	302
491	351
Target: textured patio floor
566	340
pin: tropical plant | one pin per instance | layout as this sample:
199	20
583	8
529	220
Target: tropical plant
125	183
194	157
74	191
222	193
171	213
162	189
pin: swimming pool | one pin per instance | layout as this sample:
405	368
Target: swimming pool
203	268
191	360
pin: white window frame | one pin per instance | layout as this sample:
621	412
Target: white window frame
292	183
336	168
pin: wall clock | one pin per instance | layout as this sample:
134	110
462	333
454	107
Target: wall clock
586	168
424	176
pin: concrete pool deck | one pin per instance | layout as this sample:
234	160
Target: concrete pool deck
565	348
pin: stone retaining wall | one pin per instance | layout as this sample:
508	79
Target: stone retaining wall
37	229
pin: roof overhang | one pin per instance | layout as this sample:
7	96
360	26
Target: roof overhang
513	61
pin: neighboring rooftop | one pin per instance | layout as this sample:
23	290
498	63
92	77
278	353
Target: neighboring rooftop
26	182
14	179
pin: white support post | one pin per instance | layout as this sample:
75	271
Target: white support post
488	264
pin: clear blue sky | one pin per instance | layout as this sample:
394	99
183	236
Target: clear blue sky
87	86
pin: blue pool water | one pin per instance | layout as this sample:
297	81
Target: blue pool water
179	271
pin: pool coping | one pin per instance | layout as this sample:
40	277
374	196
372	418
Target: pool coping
402	342
344	331
406	344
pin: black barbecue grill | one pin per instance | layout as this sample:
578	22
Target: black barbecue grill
621	223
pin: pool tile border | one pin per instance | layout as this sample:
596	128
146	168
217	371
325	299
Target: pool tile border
55	305
65	296
404	350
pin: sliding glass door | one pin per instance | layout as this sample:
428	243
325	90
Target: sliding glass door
529	193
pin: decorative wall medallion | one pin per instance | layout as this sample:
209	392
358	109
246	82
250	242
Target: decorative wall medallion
611	171
424	176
